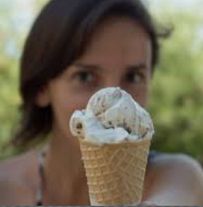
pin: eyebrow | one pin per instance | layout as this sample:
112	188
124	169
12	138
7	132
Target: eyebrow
88	66
137	67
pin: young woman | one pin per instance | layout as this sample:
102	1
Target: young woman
74	48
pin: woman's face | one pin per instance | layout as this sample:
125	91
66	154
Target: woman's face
119	54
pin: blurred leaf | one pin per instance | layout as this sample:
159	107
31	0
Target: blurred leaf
177	95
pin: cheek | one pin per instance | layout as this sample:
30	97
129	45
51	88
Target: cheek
143	93
65	105
77	101
141	97
140	94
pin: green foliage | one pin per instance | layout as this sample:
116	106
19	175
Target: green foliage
12	36
177	96
9	98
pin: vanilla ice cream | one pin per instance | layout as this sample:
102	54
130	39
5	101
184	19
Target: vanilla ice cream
111	116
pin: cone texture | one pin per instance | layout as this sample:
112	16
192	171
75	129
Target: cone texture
115	172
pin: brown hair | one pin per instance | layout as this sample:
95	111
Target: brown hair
58	37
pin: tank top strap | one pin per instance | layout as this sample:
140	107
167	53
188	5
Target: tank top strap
39	195
152	155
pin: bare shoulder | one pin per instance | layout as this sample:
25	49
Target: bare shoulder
18	179
178	163
177	178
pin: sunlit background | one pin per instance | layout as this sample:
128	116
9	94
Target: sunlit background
177	95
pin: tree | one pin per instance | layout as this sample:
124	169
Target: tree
12	36
178	90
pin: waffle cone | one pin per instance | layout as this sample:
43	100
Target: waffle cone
115	172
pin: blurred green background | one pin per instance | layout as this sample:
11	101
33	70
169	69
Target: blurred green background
177	94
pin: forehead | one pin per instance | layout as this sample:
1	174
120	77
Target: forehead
119	37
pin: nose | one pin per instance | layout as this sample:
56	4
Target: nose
112	81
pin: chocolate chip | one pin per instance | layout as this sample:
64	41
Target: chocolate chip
79	126
128	130
110	123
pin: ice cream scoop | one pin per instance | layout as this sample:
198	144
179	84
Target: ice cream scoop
111	116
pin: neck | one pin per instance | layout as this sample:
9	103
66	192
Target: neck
65	180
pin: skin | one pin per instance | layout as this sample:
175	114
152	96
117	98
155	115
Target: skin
119	54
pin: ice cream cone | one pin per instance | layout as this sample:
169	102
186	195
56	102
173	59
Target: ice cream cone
115	172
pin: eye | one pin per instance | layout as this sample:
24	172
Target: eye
135	77
85	76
